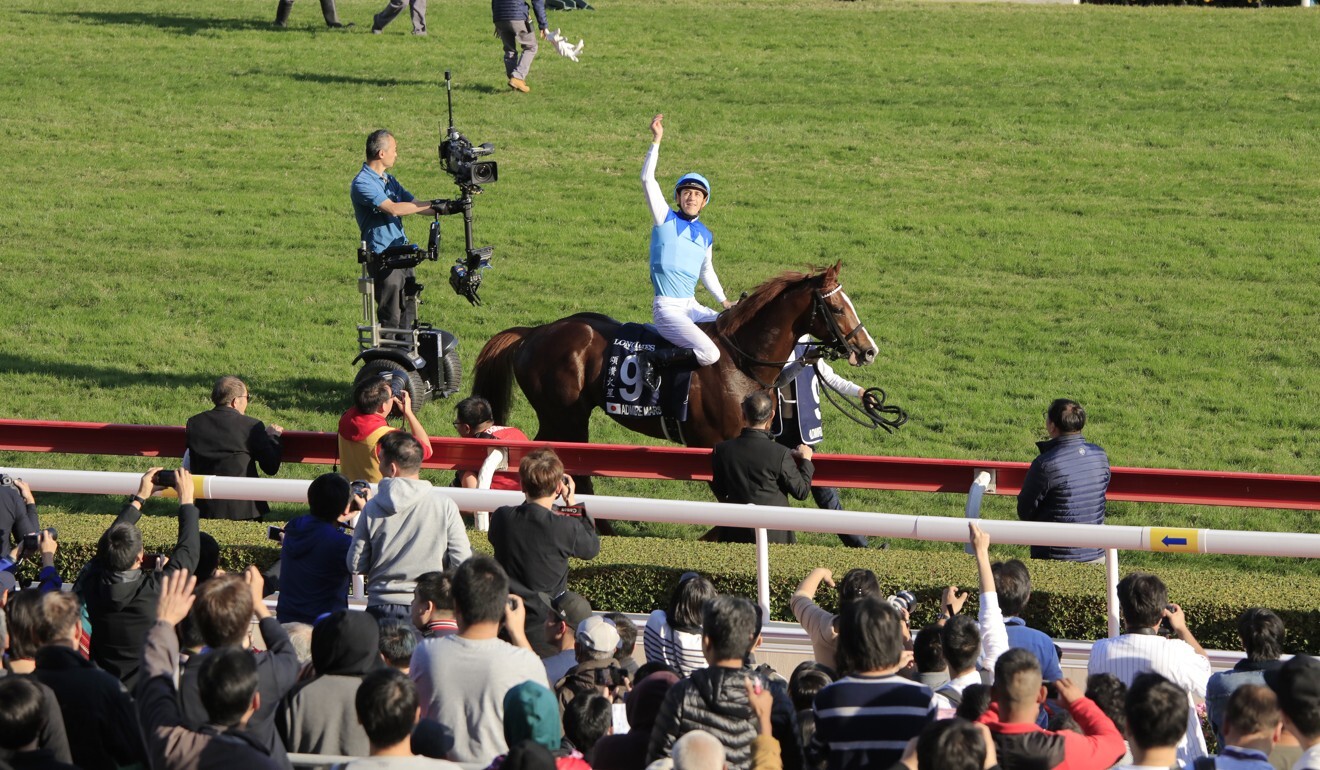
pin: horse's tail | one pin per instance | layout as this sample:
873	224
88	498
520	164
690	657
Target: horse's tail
492	379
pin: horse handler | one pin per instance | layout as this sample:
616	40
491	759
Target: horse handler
680	254
798	420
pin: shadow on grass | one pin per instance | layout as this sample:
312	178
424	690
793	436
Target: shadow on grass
353	80
310	394
188	25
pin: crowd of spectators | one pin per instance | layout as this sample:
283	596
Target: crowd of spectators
165	661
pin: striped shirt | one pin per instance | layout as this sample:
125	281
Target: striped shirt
679	649
1129	655
866	721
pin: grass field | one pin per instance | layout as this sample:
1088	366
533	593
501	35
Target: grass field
1117	204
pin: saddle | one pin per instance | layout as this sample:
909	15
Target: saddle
628	392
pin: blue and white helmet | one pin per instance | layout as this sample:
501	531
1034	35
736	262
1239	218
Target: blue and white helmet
695	181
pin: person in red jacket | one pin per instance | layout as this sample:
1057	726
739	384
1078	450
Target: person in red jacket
473	419
1020	743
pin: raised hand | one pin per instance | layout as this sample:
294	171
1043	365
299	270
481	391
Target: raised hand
176	596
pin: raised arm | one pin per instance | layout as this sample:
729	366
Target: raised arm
132	511
415	425
156	696
279	649
655	197
26	519
994	636
188	547
811	583
1101	744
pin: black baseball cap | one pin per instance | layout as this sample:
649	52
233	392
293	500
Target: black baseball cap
1297	683
571	608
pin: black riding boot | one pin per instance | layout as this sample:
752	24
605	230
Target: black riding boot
282	12
669	359
331	15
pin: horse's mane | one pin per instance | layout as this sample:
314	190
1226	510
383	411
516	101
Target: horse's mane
733	319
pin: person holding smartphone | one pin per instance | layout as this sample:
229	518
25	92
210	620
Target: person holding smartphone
18	511
534	541
314	575
119	590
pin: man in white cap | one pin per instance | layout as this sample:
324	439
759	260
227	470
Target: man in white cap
596	671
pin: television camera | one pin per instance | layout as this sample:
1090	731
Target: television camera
458	157
424	357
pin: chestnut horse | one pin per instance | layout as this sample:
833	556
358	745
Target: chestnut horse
559	365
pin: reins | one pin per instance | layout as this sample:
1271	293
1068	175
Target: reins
872	417
870	411
841	345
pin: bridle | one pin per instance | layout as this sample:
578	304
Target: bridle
839	346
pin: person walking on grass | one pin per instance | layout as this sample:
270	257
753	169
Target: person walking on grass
513	26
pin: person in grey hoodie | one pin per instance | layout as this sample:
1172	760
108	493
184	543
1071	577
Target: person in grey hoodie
406	530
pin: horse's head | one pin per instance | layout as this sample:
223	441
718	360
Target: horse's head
834	320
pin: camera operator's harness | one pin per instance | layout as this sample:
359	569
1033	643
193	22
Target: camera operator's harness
870	410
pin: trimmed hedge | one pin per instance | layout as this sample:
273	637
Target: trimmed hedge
637	574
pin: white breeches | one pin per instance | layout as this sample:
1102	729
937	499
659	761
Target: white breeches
676	320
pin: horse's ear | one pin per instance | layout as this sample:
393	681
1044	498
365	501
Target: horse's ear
832	274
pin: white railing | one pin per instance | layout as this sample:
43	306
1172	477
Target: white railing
1111	538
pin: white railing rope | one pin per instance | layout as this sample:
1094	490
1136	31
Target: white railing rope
875	524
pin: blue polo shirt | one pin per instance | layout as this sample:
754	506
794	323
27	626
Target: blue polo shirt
369	190
1038	643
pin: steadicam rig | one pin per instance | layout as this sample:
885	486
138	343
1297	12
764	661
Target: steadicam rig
459	159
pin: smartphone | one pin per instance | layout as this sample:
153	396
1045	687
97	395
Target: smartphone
275	533
360	489
164	479
759	682
150	561
1166	628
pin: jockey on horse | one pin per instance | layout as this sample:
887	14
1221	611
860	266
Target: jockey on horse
680	253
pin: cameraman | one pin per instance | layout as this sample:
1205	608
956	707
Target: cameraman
18	510
378	203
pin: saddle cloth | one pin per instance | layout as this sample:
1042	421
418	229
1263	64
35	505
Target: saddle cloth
627	382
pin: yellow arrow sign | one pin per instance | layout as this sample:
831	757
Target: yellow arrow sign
1175	540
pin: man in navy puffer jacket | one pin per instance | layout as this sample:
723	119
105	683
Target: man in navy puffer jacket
314	578
1066	482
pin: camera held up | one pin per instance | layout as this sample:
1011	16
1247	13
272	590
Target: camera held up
459	158
903	601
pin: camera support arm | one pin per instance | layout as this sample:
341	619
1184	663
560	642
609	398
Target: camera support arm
465	275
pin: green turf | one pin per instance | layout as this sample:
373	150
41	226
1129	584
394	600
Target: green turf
1115	204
